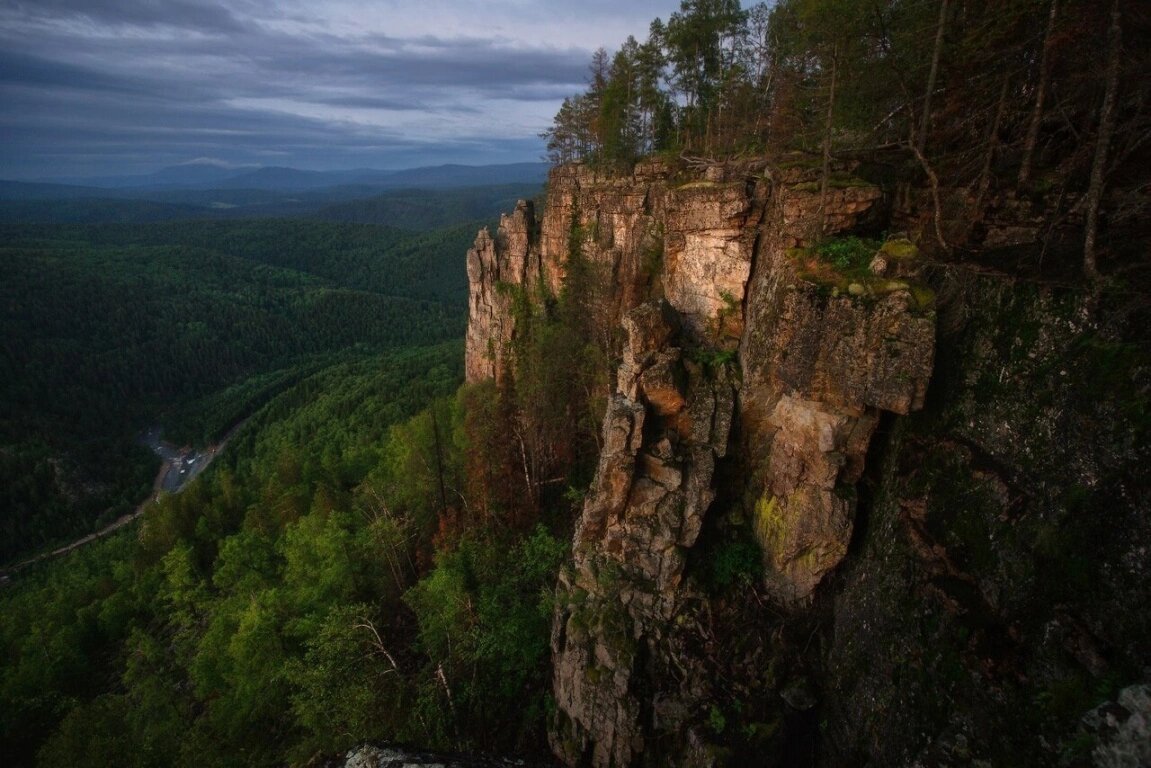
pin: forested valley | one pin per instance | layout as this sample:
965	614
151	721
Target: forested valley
111	329
275	607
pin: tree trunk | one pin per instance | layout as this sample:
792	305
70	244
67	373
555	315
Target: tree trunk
826	171
921	144
992	144
936	201
439	460
1102	140
1040	95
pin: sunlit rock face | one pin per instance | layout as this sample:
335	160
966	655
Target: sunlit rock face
819	363
941	575
497	268
721	326
665	429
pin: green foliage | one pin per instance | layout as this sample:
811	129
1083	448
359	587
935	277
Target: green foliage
561	360
345	687
199	636
260	615
484	614
736	563
716	721
275	608
59	635
964	84
847	254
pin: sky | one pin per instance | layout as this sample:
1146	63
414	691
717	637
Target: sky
111	87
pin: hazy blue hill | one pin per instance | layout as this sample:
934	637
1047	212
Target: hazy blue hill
192	174
204	176
417	198
281	179
407	208
436	177
185	175
470	175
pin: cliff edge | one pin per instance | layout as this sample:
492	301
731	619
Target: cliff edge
772	394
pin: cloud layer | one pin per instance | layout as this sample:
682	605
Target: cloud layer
92	87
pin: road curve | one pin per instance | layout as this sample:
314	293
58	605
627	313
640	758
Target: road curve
176	462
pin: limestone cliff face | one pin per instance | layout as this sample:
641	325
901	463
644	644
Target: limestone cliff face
718	251
950	543
818	367
691	242
496	267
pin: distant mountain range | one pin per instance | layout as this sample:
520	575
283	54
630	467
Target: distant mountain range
414	198
279	179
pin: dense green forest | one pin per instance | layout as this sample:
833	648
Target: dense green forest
408	208
273	610
108	329
365	561
324	583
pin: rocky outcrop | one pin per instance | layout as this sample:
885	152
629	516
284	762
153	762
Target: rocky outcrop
711	230
946	580
371	756
1122	729
692	243
497	269
718	256
664	430
819	365
814	385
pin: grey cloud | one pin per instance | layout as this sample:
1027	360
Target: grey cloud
187	14
18	70
89	90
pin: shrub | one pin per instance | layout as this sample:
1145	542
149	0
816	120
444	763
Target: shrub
847	253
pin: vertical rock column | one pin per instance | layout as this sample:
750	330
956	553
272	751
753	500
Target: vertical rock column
665	427
496	267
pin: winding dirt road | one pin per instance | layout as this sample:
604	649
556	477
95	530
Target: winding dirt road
179	467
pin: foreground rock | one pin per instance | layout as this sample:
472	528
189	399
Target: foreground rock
371	756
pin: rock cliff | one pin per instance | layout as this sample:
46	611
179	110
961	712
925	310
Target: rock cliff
755	374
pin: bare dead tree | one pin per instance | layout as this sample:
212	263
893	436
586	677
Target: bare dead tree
992	144
1040	95
825	171
933	180
377	644
936	54
1102	141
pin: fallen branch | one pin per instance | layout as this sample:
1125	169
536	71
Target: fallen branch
934	180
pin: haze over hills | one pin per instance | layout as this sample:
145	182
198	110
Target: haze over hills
207	176
197	191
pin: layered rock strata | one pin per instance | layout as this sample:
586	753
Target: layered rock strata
690	242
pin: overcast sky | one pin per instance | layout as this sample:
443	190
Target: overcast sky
94	87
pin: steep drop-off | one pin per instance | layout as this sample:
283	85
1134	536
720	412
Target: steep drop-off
942	473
